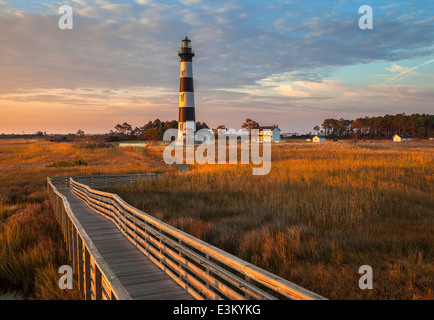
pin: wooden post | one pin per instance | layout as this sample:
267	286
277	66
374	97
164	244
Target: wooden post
97	282
124	215
69	242
74	250
248	297
135	233
181	266
80	263
207	270
65	232
87	275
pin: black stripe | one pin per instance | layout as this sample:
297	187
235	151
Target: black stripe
186	85
186	114
186	54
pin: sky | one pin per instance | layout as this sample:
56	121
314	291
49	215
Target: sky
290	63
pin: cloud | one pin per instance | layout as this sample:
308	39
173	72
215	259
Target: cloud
247	56
119	39
405	71
289	91
190	2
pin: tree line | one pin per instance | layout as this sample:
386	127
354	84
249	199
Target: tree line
417	125
153	130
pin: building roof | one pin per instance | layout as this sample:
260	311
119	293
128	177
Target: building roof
269	127
404	135
321	137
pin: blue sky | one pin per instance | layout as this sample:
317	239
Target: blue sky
291	63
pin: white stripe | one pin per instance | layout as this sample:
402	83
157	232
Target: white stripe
191	125
182	127
186	99
186	69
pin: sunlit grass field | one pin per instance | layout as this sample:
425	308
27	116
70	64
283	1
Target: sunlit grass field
323	211
31	245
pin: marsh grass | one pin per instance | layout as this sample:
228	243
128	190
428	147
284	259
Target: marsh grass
68	163
46	286
26	243
322	212
31	244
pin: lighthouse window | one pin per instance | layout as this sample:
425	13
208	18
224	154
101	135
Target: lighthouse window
182	97
183	73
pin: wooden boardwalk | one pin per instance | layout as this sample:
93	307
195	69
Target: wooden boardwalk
141	278
119	252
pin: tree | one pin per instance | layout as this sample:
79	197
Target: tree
170	125
80	133
157	124
381	127
328	126
137	132
357	128
124	128
250	124
200	126
151	134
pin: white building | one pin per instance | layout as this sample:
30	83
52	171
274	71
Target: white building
269	133
318	139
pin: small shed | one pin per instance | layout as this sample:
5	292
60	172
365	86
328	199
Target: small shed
402	137
318	139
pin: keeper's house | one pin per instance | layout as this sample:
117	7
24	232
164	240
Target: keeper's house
402	137
269	134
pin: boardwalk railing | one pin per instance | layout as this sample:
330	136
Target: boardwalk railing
94	276
104	181
205	271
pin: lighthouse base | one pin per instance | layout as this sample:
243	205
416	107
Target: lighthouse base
183	127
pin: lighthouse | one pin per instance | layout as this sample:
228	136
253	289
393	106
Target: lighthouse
187	118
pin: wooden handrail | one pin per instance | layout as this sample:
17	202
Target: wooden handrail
95	277
205	271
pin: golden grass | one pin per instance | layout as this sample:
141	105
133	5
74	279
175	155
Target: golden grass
31	244
322	212
29	162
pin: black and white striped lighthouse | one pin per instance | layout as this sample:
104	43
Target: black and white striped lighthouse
187	118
